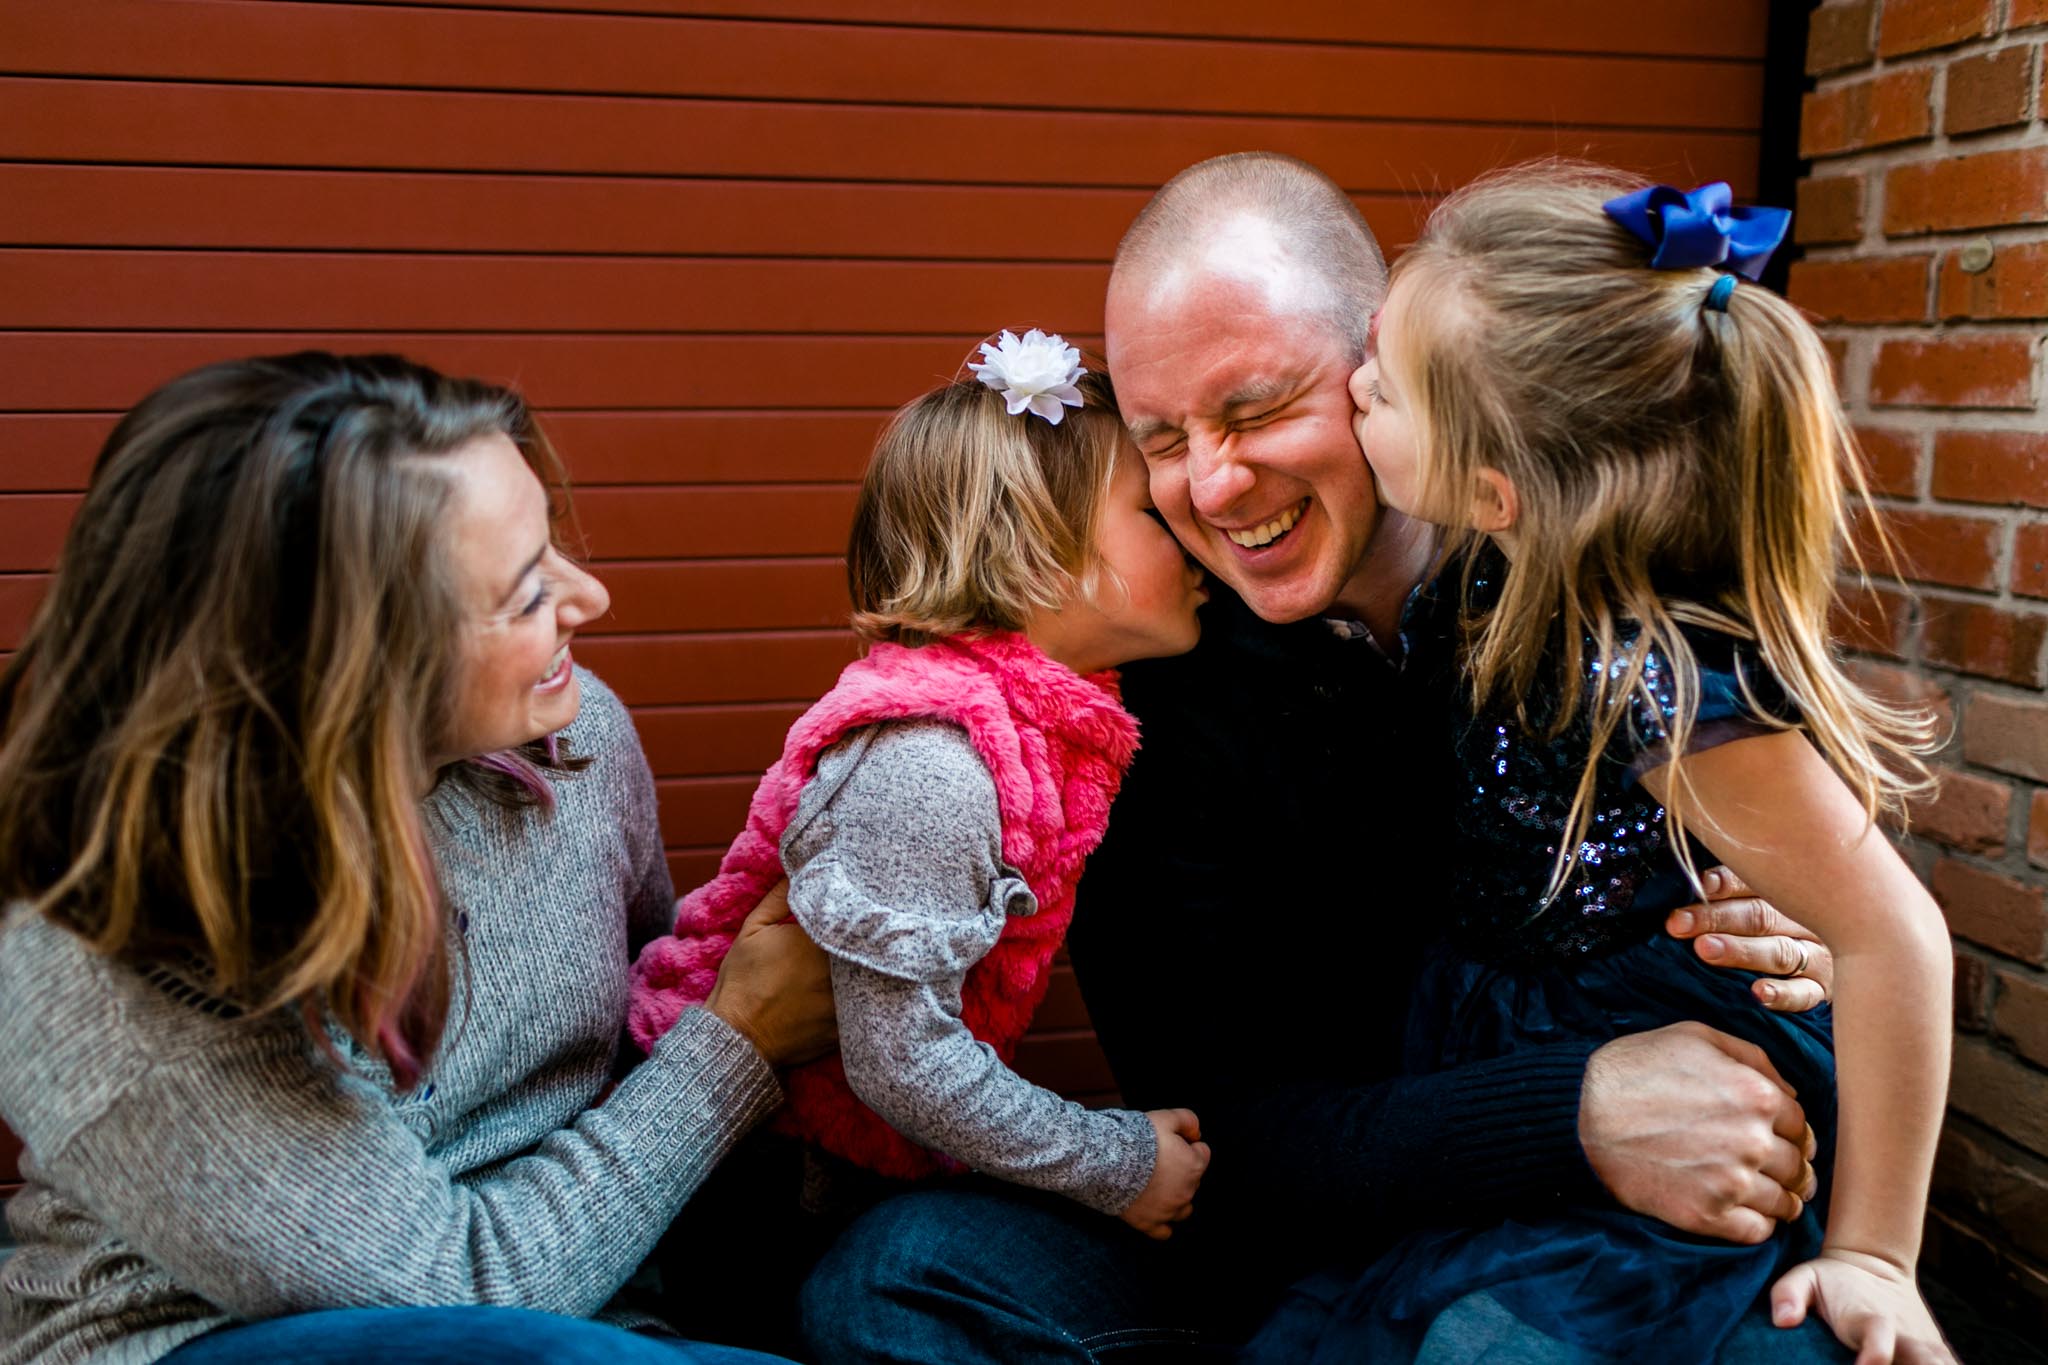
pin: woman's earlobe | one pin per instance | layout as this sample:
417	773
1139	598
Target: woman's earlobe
1495	505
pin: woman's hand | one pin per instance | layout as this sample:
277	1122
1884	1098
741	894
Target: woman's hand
1737	928
1871	1305
775	986
1169	1196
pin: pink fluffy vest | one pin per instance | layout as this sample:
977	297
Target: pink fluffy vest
1057	745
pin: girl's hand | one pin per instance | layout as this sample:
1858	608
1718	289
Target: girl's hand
775	986
1872	1305
1169	1196
1737	928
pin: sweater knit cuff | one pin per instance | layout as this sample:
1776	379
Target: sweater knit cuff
1125	1151
704	1055
1510	1129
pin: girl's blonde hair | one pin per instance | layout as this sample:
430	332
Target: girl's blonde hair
969	517
1675	466
215	736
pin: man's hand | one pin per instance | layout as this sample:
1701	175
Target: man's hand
1696	1129
1735	928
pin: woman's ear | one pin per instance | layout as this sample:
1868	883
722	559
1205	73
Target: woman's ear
1495	505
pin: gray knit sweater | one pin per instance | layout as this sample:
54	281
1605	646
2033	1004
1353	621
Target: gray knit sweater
895	860
187	1166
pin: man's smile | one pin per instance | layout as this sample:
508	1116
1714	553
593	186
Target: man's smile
1264	533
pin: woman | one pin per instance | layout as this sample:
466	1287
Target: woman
322	868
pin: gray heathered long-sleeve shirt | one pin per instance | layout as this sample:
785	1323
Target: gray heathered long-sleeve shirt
187	1165
895	869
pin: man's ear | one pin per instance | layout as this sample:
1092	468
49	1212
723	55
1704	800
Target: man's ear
1495	505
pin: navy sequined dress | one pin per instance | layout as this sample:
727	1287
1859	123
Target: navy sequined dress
1593	966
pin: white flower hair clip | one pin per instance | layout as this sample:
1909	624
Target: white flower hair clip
1038	373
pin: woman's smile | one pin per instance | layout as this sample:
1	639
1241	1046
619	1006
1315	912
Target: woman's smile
558	675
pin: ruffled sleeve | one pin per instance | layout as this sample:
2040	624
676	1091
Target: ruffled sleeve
1738	697
895	854
838	907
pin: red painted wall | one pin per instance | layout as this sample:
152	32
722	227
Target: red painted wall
718	250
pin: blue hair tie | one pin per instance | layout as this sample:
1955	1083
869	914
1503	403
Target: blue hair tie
1717	297
1702	227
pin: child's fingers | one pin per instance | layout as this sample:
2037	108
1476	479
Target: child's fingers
1792	1295
1922	1351
1201	1151
1880	1339
1184	1124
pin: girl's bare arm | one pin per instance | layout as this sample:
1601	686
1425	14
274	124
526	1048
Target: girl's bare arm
1773	811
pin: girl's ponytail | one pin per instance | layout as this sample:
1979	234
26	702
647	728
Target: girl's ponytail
1796	478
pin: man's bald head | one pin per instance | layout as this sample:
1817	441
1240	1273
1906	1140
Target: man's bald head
1269	220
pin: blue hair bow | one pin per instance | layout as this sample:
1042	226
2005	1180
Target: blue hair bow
1701	228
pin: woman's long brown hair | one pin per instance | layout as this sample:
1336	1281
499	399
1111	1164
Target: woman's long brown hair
214	740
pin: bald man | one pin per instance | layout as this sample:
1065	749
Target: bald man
1248	934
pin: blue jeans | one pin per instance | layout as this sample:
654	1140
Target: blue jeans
446	1336
982	1273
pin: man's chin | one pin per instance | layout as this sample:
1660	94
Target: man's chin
1283	601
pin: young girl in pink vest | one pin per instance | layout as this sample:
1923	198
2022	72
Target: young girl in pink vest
932	812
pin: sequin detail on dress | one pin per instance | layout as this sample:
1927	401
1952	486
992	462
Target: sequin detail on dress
1514	797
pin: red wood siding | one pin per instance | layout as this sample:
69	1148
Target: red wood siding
717	243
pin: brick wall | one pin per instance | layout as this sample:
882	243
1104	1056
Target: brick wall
1924	223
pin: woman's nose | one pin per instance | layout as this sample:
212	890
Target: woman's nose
584	598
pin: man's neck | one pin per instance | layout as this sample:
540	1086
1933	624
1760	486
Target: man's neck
1395	559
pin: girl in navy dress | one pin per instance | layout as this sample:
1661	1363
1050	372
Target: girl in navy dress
1642	463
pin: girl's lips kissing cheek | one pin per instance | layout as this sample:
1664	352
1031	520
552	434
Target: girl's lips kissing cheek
1266	534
